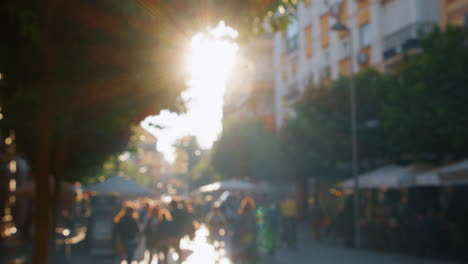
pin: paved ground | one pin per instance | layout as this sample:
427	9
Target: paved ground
327	254
307	253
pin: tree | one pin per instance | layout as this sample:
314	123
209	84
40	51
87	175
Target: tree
84	80
426	111
203	173
318	140
247	149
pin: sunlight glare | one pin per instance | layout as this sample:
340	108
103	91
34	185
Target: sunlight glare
210	59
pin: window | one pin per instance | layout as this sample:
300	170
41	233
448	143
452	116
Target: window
324	30
308	41
365	35
345	66
386	2
343	18
362	4
291	35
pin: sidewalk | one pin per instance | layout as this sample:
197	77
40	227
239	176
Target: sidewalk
311	252
13	250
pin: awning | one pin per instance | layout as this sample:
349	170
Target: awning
231	185
118	185
390	176
449	175
455	174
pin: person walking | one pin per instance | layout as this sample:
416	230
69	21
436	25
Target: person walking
317	216
289	218
165	234
150	231
179	217
126	233
245	235
216	221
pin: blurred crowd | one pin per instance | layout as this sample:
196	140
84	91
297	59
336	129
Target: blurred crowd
247	225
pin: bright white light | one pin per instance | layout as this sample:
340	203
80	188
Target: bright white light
66	232
210	60
124	156
12	185
203	253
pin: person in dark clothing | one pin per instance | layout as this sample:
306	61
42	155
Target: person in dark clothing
127	232
150	231
166	234
179	216
245	235
190	222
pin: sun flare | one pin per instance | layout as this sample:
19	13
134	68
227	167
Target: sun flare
211	57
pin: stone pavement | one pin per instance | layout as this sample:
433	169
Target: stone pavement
323	253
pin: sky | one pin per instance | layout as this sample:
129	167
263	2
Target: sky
210	60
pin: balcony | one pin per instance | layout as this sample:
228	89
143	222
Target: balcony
405	39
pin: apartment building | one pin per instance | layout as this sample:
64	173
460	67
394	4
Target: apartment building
250	90
454	12
310	52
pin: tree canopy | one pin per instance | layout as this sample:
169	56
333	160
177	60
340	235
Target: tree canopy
416	113
426	111
247	149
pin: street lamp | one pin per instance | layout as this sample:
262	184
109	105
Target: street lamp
339	26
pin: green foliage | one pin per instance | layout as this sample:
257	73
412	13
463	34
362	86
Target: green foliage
318	140
203	173
110	65
427	110
247	149
416	111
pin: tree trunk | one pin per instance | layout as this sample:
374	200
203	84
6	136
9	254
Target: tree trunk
60	159
42	220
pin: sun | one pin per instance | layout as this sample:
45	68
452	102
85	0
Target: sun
210	59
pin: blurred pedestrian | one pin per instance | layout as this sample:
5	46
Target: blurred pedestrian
127	232
143	213
245	235
191	222
289	219
273	219
316	217
166	234
151	232
216	222
179	215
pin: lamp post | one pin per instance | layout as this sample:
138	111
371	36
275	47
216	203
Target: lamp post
339	26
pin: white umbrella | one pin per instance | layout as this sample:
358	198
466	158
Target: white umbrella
232	185
455	174
389	176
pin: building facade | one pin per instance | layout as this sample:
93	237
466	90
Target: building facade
454	12
310	52
250	90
